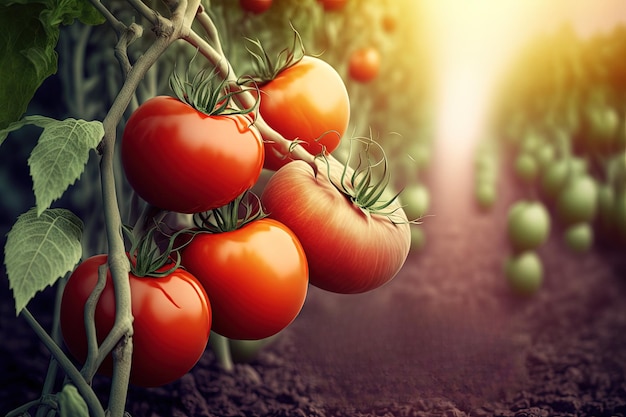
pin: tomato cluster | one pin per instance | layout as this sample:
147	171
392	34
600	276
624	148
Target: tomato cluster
243	271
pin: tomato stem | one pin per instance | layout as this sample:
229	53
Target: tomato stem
244	209
221	347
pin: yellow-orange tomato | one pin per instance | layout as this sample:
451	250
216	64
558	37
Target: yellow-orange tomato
364	64
308	102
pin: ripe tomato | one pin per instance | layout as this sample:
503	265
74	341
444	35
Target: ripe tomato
180	159
364	64
348	250
332	4
309	102
255	276
255	6
172	321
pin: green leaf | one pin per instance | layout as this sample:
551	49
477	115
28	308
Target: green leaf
39	250
71	403
30	32
60	156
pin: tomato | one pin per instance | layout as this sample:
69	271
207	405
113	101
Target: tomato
389	23
579	237
309	102
578	200
528	225
172	321
364	64
180	159
255	6
486	194
415	200
255	276
524	272
330	5
349	251
526	167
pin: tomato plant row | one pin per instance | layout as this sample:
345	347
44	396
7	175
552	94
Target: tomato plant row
562	132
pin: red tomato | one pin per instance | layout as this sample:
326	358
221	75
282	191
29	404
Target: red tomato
255	6
332	4
364	64
348	251
256	277
307	101
172	321
179	159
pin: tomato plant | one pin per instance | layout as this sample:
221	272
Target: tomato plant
364	64
172	321
256	277
350	247
180	159
528	225
255	6
308	102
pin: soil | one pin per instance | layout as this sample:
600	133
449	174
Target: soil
446	337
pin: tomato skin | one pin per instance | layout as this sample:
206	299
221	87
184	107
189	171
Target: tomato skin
255	6
332	5
256	278
172	321
364	64
309	102
348	252
179	159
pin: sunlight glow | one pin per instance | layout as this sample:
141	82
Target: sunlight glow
473	41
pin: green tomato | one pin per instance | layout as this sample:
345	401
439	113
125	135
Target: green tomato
579	237
528	225
526	167
486	168
485	194
620	214
578	201
545	155
418	238
416	200
606	207
524	272
554	177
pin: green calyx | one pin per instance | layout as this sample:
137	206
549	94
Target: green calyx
367	184
150	260
208	92
266	68
244	209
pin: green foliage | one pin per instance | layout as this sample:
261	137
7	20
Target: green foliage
71	403
60	155
30	32
39	250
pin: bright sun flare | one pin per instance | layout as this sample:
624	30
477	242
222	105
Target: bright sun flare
474	41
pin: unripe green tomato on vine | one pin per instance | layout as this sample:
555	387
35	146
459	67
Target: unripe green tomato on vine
579	237
606	207
528	225
544	155
526	167
577	201
485	194
415	200
418	238
554	177
524	272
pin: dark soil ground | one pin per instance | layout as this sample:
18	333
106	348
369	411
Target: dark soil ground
445	338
